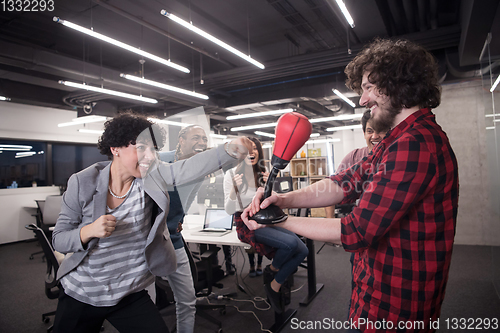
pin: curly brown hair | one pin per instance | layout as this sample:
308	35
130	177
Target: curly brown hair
400	69
124	129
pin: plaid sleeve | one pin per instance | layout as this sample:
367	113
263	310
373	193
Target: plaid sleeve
351	180
405	173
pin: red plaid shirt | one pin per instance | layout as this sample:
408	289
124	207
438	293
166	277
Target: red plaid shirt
403	228
248	236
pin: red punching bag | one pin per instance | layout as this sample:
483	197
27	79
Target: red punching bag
292	132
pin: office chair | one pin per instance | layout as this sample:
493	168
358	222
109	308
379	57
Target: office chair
46	217
39	217
205	275
52	286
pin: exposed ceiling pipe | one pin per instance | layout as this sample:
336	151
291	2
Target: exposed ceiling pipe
409	7
470	74
299	22
324	60
70	68
422	15
332	26
398	16
433	14
158	30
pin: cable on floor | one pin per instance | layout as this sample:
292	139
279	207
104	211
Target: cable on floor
247	311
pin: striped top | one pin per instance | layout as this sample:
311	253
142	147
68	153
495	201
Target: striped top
116	266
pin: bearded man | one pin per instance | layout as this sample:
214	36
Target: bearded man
404	225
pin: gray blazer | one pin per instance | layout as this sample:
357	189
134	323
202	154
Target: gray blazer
85	201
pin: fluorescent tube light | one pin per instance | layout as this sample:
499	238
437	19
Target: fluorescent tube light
259	114
316	120
490	128
245	106
27	153
492	115
347	100
267	145
89	131
337	118
120	44
314	135
211	38
218	136
107	91
308	142
16	147
343	128
495	84
249	127
168	122
163	86
344	10
83	120
3	98
496	120
269	135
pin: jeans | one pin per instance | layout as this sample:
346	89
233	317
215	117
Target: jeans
251	259
290	250
181	283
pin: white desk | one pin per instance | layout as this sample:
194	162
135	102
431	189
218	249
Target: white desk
17	206
194	223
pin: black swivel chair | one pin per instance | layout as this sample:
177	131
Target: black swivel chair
205	275
39	220
47	214
52	286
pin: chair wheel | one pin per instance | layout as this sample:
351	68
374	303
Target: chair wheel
46	320
220	330
222	311
31	258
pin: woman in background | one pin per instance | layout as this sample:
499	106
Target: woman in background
247	176
282	246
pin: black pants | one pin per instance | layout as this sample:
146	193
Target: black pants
134	313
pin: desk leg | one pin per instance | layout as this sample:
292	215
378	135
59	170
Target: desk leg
312	287
281	319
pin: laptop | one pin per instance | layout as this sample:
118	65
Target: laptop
217	223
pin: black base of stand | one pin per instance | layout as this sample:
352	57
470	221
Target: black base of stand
312	294
281	319
313	288
270	215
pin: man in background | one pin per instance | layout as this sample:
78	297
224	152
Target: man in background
192	140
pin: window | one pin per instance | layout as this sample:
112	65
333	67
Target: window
22	162
26	163
69	158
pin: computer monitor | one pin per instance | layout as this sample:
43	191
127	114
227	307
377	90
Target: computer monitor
218	218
